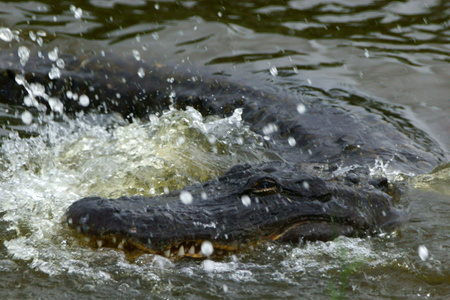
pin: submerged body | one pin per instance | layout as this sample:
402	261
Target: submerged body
285	201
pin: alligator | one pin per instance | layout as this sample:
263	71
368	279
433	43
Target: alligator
300	196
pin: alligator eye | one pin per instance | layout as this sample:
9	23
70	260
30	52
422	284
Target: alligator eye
265	186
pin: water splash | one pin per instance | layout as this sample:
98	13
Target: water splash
99	155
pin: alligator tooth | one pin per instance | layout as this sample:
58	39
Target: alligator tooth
167	253
192	250
99	243
114	240
120	246
181	251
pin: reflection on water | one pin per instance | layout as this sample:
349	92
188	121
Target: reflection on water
395	51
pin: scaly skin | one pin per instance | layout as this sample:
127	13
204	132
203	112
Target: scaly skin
248	205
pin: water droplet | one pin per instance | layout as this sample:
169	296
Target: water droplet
32	36
53	55
208	265
24	54
186	197
84	100
273	71
56	105
77	12
423	252
270	128
27	117
60	63
292	142
136	55
141	72
246	200
207	248
301	108
6	34
54	73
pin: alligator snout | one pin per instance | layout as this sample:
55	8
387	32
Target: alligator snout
248	205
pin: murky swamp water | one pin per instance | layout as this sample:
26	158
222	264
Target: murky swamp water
393	52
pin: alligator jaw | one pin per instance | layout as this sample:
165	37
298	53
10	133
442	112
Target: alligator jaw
321	228
246	206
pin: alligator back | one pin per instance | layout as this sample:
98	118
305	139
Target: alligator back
326	128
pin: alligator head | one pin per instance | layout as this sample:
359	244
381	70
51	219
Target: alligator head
271	201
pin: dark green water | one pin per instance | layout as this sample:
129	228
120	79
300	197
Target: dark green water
394	52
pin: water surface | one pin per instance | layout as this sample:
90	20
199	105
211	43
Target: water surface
391	55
